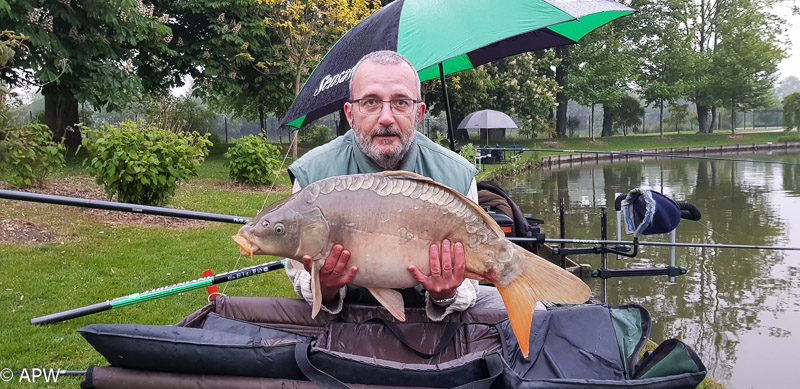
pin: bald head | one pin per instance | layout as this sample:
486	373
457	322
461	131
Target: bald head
386	57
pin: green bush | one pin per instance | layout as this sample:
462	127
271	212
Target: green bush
468	152
791	112
141	163
315	134
28	155
252	160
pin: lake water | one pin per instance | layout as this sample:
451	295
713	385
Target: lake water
739	309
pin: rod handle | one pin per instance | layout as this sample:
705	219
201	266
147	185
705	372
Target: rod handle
689	212
72	313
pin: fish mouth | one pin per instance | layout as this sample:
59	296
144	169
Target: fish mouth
246	247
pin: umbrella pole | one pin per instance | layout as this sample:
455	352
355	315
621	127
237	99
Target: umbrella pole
447	108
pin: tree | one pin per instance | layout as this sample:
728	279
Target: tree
791	112
717	32
305	30
81	51
661	55
520	86
602	67
628	114
223	46
678	113
745	62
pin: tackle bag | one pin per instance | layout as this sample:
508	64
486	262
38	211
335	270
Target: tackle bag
254	342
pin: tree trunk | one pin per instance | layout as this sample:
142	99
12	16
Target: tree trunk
294	144
661	118
591	124
733	121
561	98
61	115
702	119
608	121
714	120
263	129
342	126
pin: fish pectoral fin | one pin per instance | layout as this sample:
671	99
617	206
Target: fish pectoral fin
315	290
392	300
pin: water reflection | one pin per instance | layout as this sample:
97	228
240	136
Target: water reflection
739	309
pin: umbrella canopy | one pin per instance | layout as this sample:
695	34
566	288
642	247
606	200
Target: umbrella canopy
487	118
459	34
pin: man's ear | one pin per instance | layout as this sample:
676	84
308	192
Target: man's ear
420	112
348	113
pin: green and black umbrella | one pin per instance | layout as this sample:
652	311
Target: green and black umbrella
447	36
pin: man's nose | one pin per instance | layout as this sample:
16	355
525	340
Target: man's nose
386	116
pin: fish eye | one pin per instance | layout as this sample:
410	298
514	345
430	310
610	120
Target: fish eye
279	228
265	223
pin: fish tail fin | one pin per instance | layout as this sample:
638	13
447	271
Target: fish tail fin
315	290
538	280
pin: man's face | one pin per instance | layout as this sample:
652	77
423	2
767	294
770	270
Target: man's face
385	136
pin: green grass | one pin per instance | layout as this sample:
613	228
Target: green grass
91	261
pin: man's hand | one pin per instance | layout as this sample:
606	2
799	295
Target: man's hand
332	276
447	273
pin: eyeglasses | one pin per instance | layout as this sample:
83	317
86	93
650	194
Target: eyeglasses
374	106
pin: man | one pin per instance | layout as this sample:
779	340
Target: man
384	110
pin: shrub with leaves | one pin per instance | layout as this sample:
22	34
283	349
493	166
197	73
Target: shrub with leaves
28	155
315	134
791	112
468	152
252	160
141	163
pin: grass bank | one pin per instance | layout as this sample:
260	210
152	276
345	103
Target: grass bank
620	143
90	256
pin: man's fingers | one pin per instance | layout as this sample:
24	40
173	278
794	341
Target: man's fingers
341	263
447	262
332	260
307	262
350	275
435	263
418	275
459	259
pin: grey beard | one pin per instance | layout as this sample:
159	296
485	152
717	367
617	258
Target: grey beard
389	161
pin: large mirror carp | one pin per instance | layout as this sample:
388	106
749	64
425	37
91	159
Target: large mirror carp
388	221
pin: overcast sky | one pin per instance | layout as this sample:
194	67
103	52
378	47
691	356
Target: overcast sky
791	65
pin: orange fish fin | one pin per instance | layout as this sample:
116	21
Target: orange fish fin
315	289
520	314
538	280
392	300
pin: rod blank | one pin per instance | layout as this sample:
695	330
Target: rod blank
123	207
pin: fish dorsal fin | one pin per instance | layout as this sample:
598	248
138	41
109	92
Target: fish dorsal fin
404	175
315	289
392	300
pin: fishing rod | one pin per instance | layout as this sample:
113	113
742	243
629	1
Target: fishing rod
216	217
123	207
163	291
639	154
649	243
